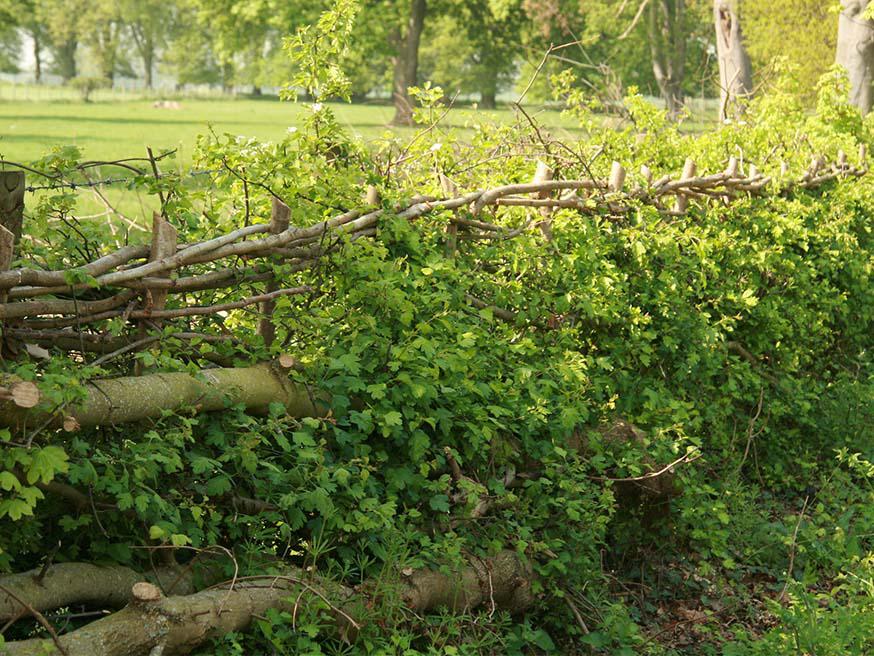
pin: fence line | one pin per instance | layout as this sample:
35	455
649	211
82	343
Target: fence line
136	280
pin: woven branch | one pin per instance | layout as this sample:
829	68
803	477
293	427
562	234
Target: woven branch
126	272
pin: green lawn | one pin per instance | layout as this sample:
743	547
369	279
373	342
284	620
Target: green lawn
34	119
116	129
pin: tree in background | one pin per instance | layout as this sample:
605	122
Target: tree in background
147	23
102	28
189	56
677	34
666	23
22	15
407	37
735	69
855	50
60	18
10	47
800	31
485	39
495	29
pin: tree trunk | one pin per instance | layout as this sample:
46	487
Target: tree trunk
856	51
667	37
37	56
735	69
407	64
65	59
170	626
105	41
227	78
122	400
489	88
487	99
149	64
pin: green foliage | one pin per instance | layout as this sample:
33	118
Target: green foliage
87	85
316	51
628	316
801	32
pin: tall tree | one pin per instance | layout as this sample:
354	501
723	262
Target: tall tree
495	31
24	15
674	33
102	27
485	39
240	32
406	62
148	22
62	30
855	51
667	39
735	70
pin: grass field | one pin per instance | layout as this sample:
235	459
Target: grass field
118	125
115	128
112	130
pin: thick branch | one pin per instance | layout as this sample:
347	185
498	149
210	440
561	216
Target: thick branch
66	584
123	400
153	624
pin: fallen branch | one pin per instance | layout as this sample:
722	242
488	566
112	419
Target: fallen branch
67	584
123	400
170	626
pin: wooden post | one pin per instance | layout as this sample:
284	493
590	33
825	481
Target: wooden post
371	196
280	215
689	171
12	201
11	213
544	174
646	172
164	238
451	191
7	253
617	177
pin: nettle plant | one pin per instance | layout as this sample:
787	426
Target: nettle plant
735	338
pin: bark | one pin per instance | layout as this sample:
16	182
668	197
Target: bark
153	624
735	69
65	59
227	78
149	68
37	55
12	190
407	64
855	51
124	400
667	38
488	96
145	44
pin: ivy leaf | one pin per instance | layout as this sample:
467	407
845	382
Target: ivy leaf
15	509
179	540
218	486
47	462
439	503
31	495
9	482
